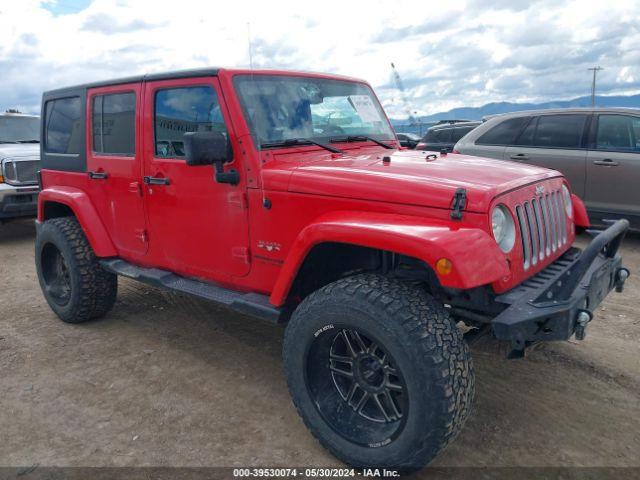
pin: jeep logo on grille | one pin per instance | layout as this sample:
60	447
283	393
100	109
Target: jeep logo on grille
539	189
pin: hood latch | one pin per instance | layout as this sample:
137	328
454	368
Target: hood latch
458	203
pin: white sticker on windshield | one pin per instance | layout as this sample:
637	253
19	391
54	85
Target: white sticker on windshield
365	108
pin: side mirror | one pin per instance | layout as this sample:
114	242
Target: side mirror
207	148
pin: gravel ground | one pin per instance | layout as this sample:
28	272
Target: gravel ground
168	380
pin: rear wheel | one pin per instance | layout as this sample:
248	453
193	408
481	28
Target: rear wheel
378	371
74	284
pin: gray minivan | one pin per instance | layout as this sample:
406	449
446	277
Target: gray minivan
597	149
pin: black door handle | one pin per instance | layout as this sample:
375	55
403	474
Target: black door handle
520	156
98	175
607	162
155	180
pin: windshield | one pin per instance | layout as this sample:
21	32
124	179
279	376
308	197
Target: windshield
19	129
280	108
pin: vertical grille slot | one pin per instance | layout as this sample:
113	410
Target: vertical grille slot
547	223
533	232
535	204
524	235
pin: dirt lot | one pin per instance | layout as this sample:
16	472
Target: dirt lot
170	380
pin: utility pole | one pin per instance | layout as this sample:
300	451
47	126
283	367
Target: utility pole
593	84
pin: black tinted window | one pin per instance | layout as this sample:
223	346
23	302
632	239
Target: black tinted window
440	135
63	119
181	110
114	129
526	137
460	132
504	133
618	132
559	131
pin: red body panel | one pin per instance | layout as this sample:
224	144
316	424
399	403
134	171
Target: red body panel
580	216
427	239
79	201
223	233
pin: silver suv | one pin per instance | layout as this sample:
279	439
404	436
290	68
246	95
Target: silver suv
598	150
19	164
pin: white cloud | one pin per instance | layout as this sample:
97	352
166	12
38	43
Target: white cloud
449	55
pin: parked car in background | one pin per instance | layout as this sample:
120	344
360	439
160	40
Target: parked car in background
444	136
19	164
598	150
408	140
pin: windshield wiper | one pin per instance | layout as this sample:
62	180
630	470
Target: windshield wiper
27	141
360	138
290	142
7	141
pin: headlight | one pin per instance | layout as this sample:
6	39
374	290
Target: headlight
504	230
568	204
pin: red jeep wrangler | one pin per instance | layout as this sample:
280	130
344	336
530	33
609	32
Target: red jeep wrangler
286	196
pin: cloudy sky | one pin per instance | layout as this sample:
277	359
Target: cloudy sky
449	54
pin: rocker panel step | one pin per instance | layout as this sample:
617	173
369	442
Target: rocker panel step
253	304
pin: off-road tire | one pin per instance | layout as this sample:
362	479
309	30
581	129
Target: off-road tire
427	347
93	290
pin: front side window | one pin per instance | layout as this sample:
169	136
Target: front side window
113	121
182	110
618	132
63	126
503	133
559	131
280	108
18	129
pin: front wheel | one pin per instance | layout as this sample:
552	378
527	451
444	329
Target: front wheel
378	372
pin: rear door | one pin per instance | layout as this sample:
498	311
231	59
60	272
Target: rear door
115	167
556	141
613	166
198	227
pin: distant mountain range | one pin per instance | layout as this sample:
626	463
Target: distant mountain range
476	113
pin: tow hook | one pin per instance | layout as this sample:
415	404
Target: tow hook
584	317
621	276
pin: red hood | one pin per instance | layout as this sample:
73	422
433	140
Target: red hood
410	178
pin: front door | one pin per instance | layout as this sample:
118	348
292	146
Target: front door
114	164
198	227
613	167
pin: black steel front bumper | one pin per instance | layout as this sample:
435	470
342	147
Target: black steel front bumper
560	300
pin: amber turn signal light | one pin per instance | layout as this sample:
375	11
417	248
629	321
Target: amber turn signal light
444	266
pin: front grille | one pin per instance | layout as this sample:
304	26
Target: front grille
21	172
543	226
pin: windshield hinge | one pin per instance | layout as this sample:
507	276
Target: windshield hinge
458	203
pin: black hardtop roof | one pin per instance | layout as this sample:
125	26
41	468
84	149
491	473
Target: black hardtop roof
197	72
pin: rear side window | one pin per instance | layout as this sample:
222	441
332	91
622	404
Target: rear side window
440	135
504	133
181	110
526	137
63	126
460	132
113	121
618	132
560	131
